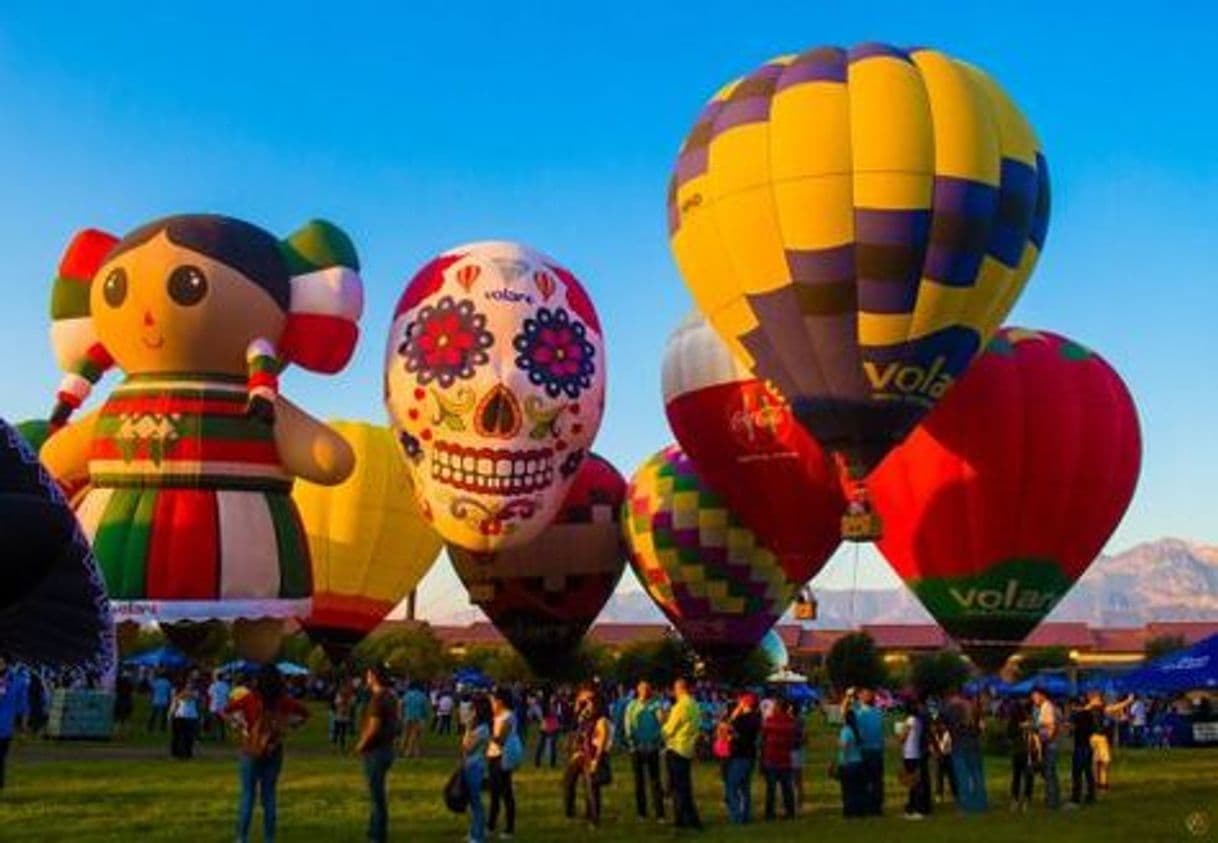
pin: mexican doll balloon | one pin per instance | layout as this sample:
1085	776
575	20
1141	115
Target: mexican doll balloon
190	460
495	384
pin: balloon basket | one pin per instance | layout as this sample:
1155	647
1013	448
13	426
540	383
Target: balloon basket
862	527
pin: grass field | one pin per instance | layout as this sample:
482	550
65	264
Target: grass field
132	791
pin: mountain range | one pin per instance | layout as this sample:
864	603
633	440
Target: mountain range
1165	580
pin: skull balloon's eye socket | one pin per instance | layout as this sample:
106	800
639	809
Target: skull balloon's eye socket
114	288
187	285
499	414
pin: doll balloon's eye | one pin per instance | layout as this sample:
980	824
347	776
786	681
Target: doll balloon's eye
114	288
187	285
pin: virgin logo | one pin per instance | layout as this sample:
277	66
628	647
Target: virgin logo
760	421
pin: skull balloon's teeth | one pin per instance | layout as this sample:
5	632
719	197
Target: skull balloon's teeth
492	470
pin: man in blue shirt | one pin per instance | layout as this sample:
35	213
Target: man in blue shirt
871	740
641	728
11	704
162	693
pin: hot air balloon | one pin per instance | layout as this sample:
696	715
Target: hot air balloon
749	449
544	595
855	224
775	651
1004	495
706	571
368	541
53	609
495	383
190	460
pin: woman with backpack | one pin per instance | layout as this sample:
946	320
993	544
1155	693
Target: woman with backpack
474	744
262	716
503	756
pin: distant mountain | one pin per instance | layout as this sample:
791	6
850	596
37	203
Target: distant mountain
1165	580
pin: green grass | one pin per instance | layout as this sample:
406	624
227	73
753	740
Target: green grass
132	791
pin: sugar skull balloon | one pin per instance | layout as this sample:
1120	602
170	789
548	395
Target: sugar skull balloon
495	384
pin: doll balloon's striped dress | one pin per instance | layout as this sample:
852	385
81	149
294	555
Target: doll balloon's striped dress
189	508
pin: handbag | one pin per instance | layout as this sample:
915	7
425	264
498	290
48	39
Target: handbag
456	792
602	773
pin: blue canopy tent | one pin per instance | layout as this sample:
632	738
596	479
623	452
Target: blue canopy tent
292	669
1191	669
472	677
164	657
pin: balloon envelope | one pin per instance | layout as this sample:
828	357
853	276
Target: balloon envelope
705	570
749	449
495	383
53	608
544	595
1008	491
856	224
369	543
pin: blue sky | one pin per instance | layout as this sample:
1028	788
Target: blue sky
429	125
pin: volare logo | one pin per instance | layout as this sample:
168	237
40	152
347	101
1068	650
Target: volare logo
507	295
1014	598
909	379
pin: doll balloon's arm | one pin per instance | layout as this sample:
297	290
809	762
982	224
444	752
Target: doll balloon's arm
66	453
310	449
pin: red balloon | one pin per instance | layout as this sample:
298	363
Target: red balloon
750	450
543	595
1009	489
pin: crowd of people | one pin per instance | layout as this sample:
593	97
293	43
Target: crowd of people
656	734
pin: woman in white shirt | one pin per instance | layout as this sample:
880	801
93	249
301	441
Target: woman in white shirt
917	770
184	720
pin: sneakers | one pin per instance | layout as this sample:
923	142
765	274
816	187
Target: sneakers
914	816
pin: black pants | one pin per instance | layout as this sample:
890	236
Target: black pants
158	718
1082	770
680	779
4	742
572	778
918	801
945	771
593	784
501	791
1021	777
444	725
873	781
182	737
546	741
780	780
646	766
854	790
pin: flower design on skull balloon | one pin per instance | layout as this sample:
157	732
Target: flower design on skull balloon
553	349
446	342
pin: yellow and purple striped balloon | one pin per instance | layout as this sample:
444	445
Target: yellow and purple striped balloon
856	224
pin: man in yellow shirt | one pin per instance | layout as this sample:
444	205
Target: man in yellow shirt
680	732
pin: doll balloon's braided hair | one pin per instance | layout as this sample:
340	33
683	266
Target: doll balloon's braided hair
313	276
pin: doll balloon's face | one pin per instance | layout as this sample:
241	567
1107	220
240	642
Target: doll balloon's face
161	307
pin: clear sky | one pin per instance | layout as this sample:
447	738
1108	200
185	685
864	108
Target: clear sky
418	126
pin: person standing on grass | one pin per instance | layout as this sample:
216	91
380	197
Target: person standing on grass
779	740
547	733
941	749
848	767
502	756
799	754
642	737
915	745
870	722
217	699
342	714
474	743
680	731
1083	726
1025	754
745	725
1048	728
184	719
414	714
376	741
595	736
444	713
963	720
262	717
161	695
11	705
